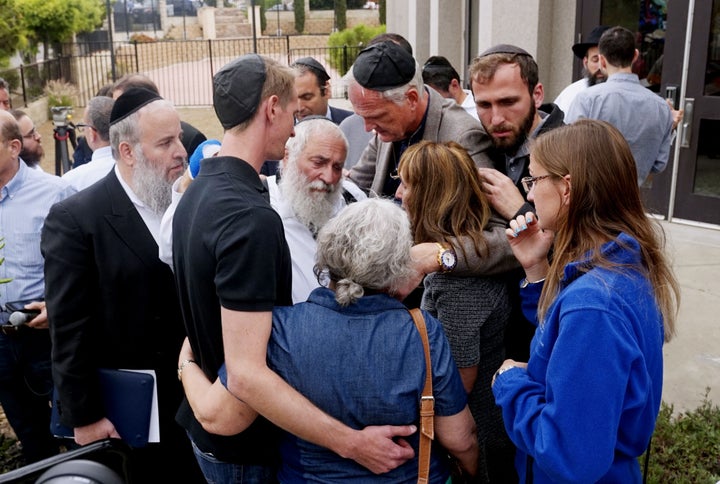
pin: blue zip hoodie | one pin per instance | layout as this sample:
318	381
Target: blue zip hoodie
586	406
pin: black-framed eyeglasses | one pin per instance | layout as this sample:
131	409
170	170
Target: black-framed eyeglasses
529	181
31	134
82	126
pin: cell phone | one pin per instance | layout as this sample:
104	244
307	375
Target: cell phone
19	306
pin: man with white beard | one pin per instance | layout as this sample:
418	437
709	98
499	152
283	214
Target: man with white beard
307	192
111	302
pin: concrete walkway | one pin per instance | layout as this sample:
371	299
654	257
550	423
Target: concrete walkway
692	359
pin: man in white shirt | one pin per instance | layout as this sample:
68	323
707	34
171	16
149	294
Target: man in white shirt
96	126
592	74
307	192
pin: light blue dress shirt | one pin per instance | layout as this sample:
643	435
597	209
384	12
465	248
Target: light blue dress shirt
643	118
24	203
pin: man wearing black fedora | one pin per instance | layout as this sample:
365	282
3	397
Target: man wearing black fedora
587	51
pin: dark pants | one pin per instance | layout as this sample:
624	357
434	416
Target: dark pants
25	390
219	472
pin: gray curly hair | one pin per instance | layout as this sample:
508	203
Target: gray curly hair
367	245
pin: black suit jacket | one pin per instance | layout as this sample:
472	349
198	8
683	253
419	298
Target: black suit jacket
111	302
338	114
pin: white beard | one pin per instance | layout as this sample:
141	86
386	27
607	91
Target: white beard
312	208
150	185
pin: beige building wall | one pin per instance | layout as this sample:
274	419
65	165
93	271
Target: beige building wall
451	28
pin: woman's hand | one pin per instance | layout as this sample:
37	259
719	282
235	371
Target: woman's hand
530	244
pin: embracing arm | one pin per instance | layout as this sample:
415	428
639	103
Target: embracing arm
212	404
245	338
458	434
363	172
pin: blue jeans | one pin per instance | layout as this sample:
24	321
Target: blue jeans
26	388
219	472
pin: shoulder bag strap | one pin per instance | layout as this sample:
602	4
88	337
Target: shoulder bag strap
427	404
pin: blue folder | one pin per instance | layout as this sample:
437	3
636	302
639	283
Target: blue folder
127	396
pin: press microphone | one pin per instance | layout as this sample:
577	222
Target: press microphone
18	317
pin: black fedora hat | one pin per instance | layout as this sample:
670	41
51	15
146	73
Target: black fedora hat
580	49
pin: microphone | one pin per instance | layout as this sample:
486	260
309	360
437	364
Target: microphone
18	317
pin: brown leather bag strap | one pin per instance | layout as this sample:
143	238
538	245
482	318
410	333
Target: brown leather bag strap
427	404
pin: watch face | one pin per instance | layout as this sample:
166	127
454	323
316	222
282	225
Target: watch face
448	259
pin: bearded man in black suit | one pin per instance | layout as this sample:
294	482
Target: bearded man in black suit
111	302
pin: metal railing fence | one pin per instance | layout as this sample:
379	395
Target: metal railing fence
182	70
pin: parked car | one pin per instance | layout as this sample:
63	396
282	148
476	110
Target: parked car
281	6
183	7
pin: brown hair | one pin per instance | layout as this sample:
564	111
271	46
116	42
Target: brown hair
483	69
601	167
445	199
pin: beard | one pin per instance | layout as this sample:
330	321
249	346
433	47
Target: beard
597	78
32	157
150	183
511	144
312	202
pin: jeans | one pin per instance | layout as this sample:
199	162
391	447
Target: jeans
219	472
26	390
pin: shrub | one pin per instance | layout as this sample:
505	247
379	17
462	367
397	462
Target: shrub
141	39
686	448
60	93
341	59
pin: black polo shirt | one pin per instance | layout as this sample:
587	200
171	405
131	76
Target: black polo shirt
229	250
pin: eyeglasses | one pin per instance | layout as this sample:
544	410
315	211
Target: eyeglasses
31	134
528	182
81	126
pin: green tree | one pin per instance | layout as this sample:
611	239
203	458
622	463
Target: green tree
348	43
340	14
383	11
50	22
11	29
299	11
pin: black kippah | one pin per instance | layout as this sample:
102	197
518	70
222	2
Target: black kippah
130	102
315	66
384	66
505	49
237	88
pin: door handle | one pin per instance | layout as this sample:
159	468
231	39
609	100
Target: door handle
687	123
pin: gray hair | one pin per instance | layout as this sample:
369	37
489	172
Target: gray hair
396	94
367	245
127	130
308	128
98	114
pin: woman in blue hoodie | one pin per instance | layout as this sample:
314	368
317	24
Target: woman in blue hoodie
583	408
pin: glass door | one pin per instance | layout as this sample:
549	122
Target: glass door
698	181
